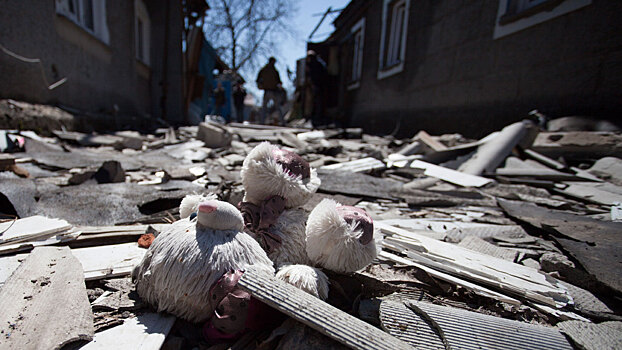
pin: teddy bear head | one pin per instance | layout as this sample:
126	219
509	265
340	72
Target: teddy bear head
269	171
340	237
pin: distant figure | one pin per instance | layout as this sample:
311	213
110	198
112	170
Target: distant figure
269	81
219	99
239	93
317	76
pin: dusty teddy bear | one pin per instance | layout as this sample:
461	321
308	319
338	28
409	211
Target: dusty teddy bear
277	184
192	269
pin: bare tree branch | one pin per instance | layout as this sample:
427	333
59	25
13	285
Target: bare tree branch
246	31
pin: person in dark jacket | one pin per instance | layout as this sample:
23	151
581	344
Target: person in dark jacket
239	93
269	81
219	99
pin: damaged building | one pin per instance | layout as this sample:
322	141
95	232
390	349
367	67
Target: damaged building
128	54
440	65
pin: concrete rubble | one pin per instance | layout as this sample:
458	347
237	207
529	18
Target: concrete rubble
518	231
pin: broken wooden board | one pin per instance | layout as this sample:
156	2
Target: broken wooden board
317	314
108	235
590	336
508	277
593	243
450	175
357	166
14	247
461	329
578	144
145	332
402	323
481	246
109	261
32	227
475	288
97	262
44	303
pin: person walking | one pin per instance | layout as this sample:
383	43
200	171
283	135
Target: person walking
239	94
269	81
219	99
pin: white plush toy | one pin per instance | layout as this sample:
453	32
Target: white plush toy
277	184
192	269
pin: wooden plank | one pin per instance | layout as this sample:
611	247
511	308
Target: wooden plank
109	261
578	144
508	277
357	166
594	243
317	314
145	332
477	289
14	247
44	303
30	228
97	262
108	235
450	175
429	141
540	174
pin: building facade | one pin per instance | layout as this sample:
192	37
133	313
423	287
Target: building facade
472	66
121	58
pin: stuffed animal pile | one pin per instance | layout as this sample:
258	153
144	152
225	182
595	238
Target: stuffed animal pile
192	269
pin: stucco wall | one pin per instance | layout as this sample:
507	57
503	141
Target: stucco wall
457	78
99	75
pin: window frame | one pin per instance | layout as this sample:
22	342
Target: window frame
516	15
395	47
358	29
141	16
79	16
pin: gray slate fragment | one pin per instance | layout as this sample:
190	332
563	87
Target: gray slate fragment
591	336
44	303
108	204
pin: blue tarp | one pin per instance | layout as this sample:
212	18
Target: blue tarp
207	64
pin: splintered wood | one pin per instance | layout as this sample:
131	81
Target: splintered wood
44	303
507	277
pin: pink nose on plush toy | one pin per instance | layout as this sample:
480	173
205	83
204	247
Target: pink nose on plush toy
361	218
208	207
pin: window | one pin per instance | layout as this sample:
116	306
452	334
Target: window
90	15
393	37
358	37
516	15
142	31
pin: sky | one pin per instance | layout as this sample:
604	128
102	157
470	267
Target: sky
294	45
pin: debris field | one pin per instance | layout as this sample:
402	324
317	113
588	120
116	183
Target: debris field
507	242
